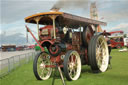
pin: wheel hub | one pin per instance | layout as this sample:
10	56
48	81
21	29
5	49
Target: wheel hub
72	65
42	65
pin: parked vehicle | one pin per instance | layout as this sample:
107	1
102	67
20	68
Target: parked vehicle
117	39
20	48
31	46
8	47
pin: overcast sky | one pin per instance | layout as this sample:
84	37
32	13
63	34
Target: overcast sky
13	12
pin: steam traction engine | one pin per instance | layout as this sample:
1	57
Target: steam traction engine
70	41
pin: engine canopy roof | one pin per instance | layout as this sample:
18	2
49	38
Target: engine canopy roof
63	19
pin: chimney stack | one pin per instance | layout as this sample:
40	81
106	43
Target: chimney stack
54	9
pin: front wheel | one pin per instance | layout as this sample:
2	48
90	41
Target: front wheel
40	69
98	54
72	65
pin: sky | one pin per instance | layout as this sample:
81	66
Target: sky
13	12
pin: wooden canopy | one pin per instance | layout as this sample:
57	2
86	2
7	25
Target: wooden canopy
63	19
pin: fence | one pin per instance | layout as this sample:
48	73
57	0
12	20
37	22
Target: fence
9	64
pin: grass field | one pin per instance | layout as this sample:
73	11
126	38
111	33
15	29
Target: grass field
118	75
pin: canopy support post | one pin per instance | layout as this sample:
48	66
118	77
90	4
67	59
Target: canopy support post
37	19
53	17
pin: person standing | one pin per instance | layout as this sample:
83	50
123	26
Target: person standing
109	45
109	50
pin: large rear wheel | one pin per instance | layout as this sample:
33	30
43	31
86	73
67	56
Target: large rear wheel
98	54
40	70
72	65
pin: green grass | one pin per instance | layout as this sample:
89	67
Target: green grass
118	75
6	69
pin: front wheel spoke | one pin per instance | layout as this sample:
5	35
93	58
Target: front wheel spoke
42	73
74	72
47	69
76	65
45	72
70	72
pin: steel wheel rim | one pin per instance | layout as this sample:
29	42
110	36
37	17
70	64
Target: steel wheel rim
74	65
44	72
102	55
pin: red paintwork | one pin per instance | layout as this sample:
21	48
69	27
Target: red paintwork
115	44
50	49
31	46
49	28
48	40
53	66
56	59
116	32
68	47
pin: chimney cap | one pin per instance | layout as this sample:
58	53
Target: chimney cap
55	9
